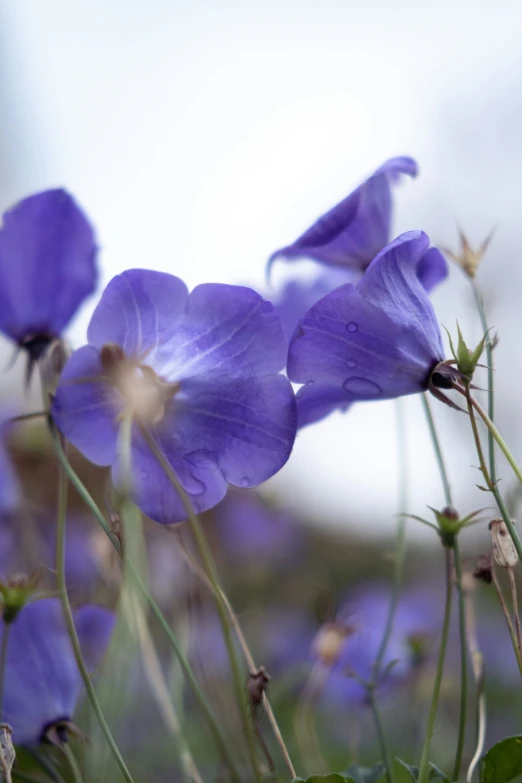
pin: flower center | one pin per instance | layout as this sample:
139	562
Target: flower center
146	394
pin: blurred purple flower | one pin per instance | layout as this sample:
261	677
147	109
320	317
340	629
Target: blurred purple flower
9	486
42	683
47	268
251	531
345	241
375	340
352	233
362	620
200	371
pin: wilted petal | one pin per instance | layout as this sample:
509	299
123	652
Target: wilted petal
47	265
353	231
138	311
227	330
85	407
376	340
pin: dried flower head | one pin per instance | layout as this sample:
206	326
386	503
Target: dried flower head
467	258
504	551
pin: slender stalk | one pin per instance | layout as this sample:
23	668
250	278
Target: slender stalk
3	661
187	670
491	377
481	738
46	765
458	573
73	763
498	437
69	621
505	611
477	666
210	570
514	599
424	768
383	742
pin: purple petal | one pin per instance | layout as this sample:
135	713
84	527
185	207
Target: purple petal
227	330
9	485
432	269
239	432
314	402
85	408
357	228
94	626
47	265
42	682
377	340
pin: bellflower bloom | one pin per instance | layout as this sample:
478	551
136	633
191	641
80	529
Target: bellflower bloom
42	683
47	268
199	372
375	340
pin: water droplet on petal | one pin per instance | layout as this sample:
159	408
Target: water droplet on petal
309	383
350	363
352	326
245	482
361	386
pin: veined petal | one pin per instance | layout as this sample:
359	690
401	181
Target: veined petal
47	265
353	231
138	311
85	408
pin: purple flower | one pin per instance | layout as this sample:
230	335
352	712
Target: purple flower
354	231
42	683
375	340
9	486
199	372
252	532
47	268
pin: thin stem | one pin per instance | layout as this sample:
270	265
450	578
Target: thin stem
505	611
514	599
481	737
46	765
458	572
386	757
424	762
437	448
3	661
463	663
73	763
69	621
498	437
210	570
187	670
491	377
477	666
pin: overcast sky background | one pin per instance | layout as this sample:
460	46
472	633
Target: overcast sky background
199	137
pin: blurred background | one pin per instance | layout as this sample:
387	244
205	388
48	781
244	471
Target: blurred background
199	137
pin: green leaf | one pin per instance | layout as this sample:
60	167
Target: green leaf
503	761
435	772
366	774
333	777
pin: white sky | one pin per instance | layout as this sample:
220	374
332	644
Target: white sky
200	136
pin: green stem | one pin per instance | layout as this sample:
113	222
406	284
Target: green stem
42	762
498	437
3	661
73	763
210	570
458	572
69	621
374	706
463	662
491	377
505	611
187	670
424	762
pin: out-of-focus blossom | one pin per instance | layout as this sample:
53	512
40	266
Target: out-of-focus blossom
199	372
361	622
9	487
251	531
86	549
344	242
47	268
42	683
352	233
375	340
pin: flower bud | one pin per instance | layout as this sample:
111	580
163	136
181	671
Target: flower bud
328	642
466	359
257	684
15	593
504	550
482	570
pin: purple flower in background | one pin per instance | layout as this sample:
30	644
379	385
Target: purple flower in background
47	268
42	683
375	340
9	487
360	626
351	234
250	531
198	371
